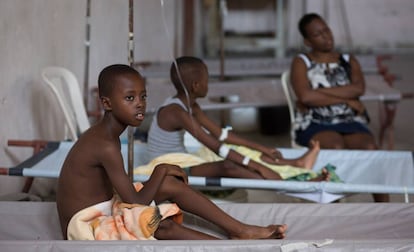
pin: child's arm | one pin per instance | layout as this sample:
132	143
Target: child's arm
113	164
174	117
232	138
220	137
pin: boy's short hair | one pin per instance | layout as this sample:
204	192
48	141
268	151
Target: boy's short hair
107	77
189	68
305	20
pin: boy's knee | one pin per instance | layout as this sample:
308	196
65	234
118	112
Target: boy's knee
231	169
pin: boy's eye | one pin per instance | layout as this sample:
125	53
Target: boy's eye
129	98
144	97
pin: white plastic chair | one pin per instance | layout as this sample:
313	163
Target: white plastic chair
65	87
291	100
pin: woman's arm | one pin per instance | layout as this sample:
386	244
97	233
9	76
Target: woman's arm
354	89
304	93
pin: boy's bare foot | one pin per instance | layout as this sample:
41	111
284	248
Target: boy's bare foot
324	176
256	232
308	159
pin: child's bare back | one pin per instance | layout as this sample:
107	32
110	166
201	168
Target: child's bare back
83	181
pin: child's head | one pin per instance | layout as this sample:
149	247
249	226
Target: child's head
193	74
122	92
316	33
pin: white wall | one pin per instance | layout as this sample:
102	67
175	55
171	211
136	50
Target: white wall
373	24
34	34
38	33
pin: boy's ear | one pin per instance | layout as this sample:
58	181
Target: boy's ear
194	86
306	42
106	103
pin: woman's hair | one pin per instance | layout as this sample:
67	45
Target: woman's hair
305	20
189	69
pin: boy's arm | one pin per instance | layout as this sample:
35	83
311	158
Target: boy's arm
233	138
113	164
196	123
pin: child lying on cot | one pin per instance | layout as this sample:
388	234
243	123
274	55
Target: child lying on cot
240	158
96	199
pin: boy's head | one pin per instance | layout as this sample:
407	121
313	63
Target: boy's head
110	75
122	91
193	74
315	32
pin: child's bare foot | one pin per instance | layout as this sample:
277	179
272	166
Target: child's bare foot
308	159
324	176
256	232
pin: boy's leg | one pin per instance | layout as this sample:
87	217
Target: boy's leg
195	202
307	160
225	168
170	230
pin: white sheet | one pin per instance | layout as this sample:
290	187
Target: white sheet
34	226
363	171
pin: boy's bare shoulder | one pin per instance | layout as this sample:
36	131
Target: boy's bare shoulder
97	144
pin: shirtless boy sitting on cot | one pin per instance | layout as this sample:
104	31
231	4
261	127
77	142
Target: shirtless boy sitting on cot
182	112
94	169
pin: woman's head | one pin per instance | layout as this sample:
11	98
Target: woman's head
316	33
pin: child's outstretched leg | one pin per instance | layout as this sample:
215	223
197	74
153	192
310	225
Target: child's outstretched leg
306	161
194	202
324	176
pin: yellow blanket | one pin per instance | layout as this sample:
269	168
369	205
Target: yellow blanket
114	220
205	155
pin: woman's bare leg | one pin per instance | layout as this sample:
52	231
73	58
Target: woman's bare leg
194	202
329	140
360	141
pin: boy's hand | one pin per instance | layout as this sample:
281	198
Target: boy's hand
173	170
273	153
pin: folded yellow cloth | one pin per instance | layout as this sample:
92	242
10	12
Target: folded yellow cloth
115	220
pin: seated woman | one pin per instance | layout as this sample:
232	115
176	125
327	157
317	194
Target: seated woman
328	85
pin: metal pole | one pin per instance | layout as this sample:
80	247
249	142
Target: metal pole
87	45
222	13
131	61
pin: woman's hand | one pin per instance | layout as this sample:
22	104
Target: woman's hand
356	105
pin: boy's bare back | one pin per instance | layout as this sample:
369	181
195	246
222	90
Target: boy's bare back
83	181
